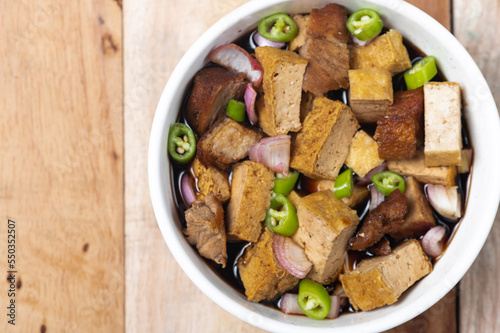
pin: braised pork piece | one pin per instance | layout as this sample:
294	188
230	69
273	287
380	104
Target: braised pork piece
337	111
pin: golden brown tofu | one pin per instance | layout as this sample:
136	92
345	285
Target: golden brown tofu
261	274
379	281
306	105
294	197
416	167
211	179
443	127
419	218
205	228
282	83
363	154
370	93
359	195
325	227
251	188
396	137
386	51
302	22
322	145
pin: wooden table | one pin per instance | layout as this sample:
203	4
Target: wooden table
80	81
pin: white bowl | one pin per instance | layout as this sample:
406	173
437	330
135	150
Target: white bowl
484	126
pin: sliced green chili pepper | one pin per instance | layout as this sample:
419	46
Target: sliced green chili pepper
387	181
181	143
284	185
236	110
423	71
278	27
313	299
364	24
344	184
281	217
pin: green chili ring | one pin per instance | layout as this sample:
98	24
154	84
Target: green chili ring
387	181
281	217
284	185
181	143
364	24
344	185
313	299
423	71
236	110
278	27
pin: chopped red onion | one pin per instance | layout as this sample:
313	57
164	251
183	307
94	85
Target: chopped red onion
261	41
367	179
361	42
291	256
376	198
289	305
433	241
273	152
250	96
445	200
237	59
187	189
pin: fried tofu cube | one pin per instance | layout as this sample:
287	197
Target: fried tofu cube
262	276
386	51
211	179
251	188
370	93
325	227
321	147
396	137
419	218
302	22
363	154
378	281
443	127
444	175
282	82
294	197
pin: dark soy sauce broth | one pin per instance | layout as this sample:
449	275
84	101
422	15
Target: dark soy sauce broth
235	249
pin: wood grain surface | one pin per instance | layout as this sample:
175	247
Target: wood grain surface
61	174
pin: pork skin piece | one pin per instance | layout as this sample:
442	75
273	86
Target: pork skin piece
251	188
419	218
325	227
205	228
396	137
443	126
445	175
382	248
410	103
282	83
363	154
225	143
378	281
262	276
302	21
211	179
370	93
384	219
212	89
326	49
321	147
386	51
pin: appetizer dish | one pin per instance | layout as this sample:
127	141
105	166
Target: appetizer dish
321	162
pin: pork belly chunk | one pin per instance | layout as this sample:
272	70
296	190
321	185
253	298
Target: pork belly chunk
321	147
363	154
211	179
262	276
302	21
386	51
226	142
212	89
443	127
381	280
370	93
410	103
326	49
282	83
396	137
445	175
251	188
325	227
419	218
205	228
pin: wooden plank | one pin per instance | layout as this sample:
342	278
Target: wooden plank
155	38
61	168
476	23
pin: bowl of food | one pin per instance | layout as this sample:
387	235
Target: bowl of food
325	165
